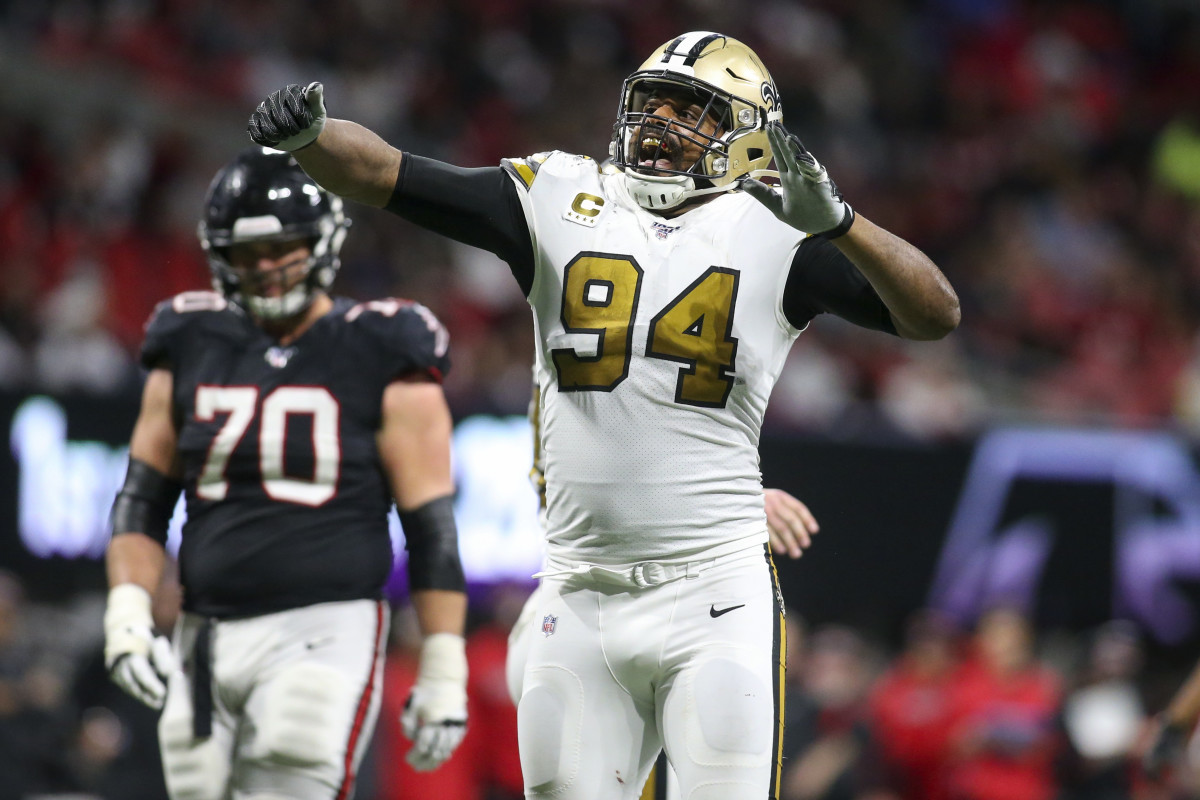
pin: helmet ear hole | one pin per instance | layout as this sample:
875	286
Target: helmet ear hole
754	153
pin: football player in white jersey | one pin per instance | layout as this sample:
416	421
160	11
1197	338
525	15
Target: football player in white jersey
790	527
666	292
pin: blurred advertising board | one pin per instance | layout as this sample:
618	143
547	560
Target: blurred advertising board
1075	526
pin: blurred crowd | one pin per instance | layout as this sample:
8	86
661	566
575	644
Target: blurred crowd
1046	153
995	712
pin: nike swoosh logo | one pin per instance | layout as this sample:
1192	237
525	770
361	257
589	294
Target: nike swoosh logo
712	610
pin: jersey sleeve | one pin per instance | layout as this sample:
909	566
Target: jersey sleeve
166	329
478	207
406	338
823	280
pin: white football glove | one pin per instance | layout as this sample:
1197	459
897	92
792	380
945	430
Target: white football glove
289	118
435	716
137	660
806	198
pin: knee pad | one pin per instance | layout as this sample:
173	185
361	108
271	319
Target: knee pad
304	717
734	713
549	729
194	769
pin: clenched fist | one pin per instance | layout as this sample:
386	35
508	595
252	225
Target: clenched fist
289	118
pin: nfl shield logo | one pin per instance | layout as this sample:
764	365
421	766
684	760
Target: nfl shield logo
663	231
278	357
548	623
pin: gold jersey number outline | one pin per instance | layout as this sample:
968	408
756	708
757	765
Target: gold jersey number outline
600	297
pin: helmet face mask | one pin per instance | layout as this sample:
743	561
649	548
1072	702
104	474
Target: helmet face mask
648	138
730	84
276	293
264	196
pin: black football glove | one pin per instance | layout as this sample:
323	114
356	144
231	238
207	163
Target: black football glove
289	118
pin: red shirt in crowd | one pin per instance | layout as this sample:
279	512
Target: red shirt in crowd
1002	738
912	716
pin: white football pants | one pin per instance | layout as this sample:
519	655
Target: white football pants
623	663
295	695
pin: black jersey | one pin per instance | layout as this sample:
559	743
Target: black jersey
286	501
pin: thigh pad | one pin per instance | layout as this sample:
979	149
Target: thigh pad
303	716
194	769
549	728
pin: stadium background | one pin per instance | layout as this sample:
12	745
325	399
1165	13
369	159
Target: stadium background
1045	153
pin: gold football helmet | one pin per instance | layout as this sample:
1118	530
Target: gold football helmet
730	84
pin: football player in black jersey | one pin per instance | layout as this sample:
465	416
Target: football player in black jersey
290	419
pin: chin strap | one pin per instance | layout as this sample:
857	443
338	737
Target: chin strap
664	192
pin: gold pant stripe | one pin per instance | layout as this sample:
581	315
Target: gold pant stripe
778	656
656	784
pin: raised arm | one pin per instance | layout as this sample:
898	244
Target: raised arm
478	207
344	157
918	297
916	293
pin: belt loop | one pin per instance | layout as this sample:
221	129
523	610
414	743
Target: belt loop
202	699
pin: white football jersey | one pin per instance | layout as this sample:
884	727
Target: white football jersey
659	341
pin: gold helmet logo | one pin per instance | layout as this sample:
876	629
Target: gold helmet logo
733	87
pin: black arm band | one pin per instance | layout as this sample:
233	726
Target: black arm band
146	502
431	538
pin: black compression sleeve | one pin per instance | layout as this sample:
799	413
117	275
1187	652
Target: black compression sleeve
479	207
823	280
431	538
145	503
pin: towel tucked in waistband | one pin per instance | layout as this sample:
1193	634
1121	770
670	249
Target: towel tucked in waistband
202	695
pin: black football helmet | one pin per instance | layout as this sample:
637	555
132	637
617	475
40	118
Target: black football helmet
264	195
